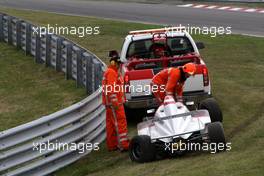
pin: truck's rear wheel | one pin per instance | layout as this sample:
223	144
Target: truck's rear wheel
141	149
213	108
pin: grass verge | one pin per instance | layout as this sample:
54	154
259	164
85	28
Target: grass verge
29	90
236	67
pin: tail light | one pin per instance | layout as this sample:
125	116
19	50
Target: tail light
126	83
205	76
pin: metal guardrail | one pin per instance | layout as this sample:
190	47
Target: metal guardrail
83	122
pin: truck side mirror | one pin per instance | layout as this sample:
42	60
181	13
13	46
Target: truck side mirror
200	45
113	54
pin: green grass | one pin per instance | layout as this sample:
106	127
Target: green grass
29	91
236	67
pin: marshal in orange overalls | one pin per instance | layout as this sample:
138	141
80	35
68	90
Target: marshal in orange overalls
113	99
168	83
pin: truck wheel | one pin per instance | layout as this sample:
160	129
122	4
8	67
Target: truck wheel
213	108
216	134
141	149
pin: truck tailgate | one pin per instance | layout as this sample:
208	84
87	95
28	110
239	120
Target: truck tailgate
194	83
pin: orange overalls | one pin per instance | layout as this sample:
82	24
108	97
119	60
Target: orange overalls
113	99
168	83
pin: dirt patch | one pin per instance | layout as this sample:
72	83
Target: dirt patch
4	107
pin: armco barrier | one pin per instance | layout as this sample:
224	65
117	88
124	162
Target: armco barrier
83	122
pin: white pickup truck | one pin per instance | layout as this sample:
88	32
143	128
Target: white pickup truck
139	66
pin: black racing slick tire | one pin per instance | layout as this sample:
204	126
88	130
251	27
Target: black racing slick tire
213	108
141	149
216	134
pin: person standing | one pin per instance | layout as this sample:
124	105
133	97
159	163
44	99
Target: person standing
113	99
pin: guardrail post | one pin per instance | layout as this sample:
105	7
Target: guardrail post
97	72
58	54
68	61
18	32
1	27
28	38
9	28
79	67
37	49
89	74
48	50
101	74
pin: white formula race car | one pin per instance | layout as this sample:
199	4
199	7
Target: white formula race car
173	126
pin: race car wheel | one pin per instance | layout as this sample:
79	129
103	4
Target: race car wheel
213	108
216	133
141	149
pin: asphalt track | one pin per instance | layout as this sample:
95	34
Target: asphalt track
241	22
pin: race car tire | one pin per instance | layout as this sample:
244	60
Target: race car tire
216	134
141	149
213	108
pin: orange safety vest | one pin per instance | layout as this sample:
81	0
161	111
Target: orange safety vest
171	78
113	87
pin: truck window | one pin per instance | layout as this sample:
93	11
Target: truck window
176	46
180	45
139	48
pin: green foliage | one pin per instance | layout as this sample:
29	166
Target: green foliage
29	91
